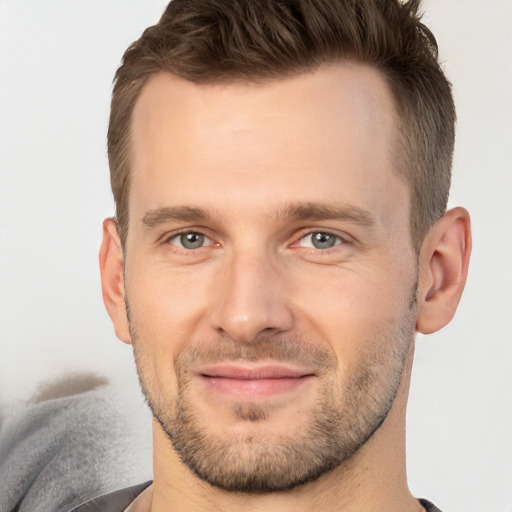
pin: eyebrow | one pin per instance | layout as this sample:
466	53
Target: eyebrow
153	218
321	211
295	211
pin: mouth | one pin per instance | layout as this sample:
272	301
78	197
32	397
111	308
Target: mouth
253	382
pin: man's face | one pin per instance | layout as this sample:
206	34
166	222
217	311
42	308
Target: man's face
269	272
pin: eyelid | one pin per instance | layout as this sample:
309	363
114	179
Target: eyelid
167	237
342	238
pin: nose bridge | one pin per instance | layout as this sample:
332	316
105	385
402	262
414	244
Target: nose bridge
251	298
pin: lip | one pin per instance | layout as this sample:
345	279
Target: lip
253	382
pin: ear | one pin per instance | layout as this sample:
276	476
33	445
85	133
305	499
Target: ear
443	263
112	280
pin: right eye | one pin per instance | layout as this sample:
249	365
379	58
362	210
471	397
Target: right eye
190	240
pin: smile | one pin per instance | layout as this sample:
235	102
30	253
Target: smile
255	383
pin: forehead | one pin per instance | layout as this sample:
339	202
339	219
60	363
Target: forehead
323	136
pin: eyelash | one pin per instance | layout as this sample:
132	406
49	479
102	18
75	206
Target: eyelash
340	240
167	239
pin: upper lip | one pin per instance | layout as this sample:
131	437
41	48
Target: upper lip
269	371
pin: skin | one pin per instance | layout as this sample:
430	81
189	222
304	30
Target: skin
247	155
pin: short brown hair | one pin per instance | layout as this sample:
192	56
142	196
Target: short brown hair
208	41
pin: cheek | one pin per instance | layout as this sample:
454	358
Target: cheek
354	311
165	305
164	314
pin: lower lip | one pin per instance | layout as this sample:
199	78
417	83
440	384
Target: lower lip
254	389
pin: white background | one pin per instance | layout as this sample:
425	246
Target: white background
57	60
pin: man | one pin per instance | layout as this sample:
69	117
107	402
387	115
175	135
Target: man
281	172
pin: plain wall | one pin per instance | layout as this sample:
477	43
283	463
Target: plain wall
57	60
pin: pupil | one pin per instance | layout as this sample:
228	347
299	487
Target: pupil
192	240
323	240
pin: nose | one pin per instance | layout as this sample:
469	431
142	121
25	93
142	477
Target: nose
251	299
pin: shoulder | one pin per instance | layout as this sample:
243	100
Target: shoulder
113	502
61	449
429	507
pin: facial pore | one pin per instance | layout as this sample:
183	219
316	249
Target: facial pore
348	411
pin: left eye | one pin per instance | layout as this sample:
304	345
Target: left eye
190	240
320	240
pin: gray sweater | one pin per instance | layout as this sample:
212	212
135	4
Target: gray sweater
58	451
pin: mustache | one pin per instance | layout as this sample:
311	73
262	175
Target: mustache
279	349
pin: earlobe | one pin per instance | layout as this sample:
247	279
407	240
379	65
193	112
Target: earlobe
444	261
112	280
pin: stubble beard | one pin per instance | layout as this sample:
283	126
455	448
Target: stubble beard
344	417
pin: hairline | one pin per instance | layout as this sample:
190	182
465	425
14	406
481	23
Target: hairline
401	152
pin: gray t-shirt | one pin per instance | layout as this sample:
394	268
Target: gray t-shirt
118	501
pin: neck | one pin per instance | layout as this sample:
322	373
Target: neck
374	479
